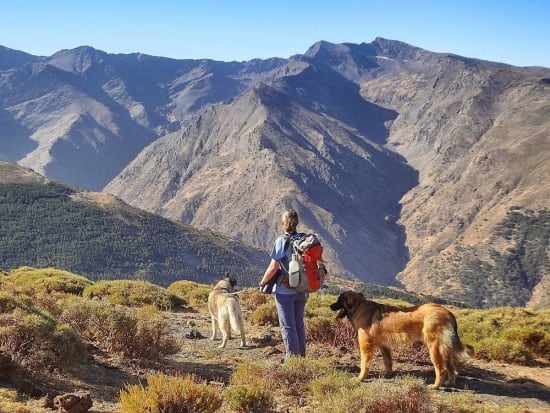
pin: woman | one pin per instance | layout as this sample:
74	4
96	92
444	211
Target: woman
290	303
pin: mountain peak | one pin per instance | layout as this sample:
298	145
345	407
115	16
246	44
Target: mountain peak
396	49
324	48
77	60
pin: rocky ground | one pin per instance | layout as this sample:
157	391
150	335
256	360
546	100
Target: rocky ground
497	385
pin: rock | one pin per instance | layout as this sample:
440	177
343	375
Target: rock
73	403
194	334
30	388
48	401
7	366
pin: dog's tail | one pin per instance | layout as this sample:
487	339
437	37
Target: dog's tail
460	349
235	316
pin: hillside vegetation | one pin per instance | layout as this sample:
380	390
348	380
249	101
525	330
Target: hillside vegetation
511	274
52	225
57	333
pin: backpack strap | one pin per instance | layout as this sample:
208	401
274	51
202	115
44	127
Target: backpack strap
288	239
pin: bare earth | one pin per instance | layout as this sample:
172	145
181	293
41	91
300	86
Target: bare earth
498	385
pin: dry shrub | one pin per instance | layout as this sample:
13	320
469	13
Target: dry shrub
249	399
291	379
130	332
35	340
193	293
8	302
265	314
52	303
251	298
315	383
249	372
294	375
338	333
132	293
170	394
404	395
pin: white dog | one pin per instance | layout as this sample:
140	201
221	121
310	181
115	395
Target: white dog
225	311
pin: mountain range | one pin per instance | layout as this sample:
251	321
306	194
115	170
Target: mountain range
423	170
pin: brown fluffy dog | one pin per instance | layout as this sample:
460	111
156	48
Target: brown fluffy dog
385	326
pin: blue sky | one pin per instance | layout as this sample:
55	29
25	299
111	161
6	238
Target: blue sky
514	32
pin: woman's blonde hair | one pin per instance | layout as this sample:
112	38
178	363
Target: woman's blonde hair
290	220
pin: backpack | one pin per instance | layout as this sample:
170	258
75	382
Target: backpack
306	270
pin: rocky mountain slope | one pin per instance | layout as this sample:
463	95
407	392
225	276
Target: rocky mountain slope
81	115
424	169
240	164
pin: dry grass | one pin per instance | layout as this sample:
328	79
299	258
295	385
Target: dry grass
512	335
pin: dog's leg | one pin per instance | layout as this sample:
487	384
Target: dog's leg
225	328
224	340
367	352
241	329
386	355
451	370
214	328
437	361
450	367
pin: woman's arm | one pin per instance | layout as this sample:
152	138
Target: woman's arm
270	271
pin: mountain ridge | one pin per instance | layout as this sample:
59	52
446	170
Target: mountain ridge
407	161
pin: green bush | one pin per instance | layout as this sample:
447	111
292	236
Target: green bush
249	399
49	280
508	334
132	293
498	348
319	305
193	293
